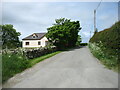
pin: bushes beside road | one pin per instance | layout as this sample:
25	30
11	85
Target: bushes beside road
100	52
83	44
105	46
109	37
12	64
16	61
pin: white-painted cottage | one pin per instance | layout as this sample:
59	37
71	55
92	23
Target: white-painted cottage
35	40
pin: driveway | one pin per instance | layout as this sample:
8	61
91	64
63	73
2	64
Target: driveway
76	68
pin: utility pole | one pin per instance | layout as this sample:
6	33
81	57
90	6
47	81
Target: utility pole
95	29
94	21
90	34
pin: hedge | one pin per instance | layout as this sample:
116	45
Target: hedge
109	37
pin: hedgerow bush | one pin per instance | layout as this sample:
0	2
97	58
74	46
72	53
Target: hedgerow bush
15	61
109	37
12	64
110	41
83	44
111	61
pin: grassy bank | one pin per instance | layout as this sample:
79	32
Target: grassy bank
36	60
0	68
105	46
16	63
100	52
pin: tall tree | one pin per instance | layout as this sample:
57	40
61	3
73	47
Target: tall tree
10	37
63	33
79	40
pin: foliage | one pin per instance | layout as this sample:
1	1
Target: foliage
78	40
36	60
83	44
63	33
98	50
0	68
0	36
16	61
10	36
12	64
110	39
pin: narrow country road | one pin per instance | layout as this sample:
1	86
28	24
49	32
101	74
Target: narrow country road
76	68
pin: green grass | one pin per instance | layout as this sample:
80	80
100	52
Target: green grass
109	60
0	68
108	51
36	60
13	64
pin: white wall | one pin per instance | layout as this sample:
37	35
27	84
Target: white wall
34	43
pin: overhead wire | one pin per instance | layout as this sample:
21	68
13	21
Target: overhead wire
98	4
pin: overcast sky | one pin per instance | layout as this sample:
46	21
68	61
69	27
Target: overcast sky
36	17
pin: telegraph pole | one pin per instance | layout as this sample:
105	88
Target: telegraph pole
90	34
95	16
94	20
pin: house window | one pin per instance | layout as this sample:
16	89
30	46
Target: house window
46	42
27	43
33	36
39	43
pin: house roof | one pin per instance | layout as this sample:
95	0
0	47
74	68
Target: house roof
38	36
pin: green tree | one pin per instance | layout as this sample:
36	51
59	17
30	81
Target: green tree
10	37
0	36
79	40
63	33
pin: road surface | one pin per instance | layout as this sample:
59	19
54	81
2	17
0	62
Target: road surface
76	68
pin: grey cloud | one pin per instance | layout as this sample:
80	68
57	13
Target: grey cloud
37	17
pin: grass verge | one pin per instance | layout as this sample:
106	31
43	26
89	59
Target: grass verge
109	60
13	64
36	60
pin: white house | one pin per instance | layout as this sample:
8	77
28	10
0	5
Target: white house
35	40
